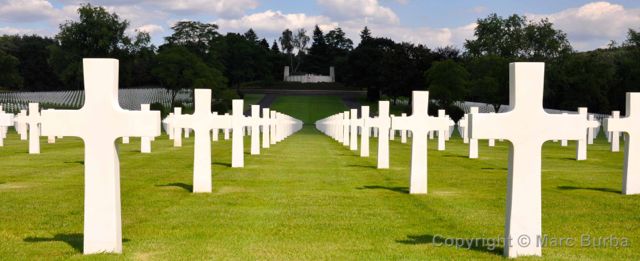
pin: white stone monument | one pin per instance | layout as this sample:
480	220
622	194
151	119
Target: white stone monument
99	123
383	123
419	123
265	128
145	142
527	126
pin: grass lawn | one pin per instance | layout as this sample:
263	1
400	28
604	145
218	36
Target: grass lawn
308	198
308	109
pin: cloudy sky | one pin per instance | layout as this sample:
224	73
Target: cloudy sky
589	24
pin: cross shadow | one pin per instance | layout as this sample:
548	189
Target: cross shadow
81	162
404	190
74	240
490	168
362	166
184	186
228	165
455	156
590	188
486	245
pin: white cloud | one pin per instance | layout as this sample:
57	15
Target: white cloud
593	25
271	23
17	11
479	9
369	10
12	31
150	28
221	8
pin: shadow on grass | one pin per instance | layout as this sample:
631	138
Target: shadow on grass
590	188
491	168
184	186
486	245
81	162
362	166
455	156
404	190
224	164
74	240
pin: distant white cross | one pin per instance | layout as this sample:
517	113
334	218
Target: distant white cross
527	126
34	128
202	121
383	123
365	124
21	124
99	123
353	130
420	123
256	122
177	131
238	122
442	132
345	128
473	143
615	135
6	120
145	142
631	126
265	128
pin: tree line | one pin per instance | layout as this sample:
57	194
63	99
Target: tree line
197	55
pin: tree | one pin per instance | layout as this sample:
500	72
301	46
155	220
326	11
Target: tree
251	36
286	42
447	82
337	41
264	44
274	47
243	60
199	38
300	43
9	75
178	69
32	53
517	37
365	34
489	80
97	34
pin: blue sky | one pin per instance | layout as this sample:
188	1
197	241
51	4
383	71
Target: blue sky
588	24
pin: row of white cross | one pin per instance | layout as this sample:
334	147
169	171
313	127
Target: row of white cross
527	126
101	121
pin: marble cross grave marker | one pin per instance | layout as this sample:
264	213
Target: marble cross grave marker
99	123
145	142
420	123
630	125
383	123
33	120
527	126
202	121
614	135
365	124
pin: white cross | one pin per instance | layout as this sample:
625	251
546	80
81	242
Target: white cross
177	131
442	132
256	122
345	128
383	123
6	120
99	123
403	133
168	123
615	135
464	131
265	128
527	126
145	142
215	133
473	143
631	126
591	134
581	146
273	126
238	124
419	123
201	121
21	124
365	124
34	128
353	126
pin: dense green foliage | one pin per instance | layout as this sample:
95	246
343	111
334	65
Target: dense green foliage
309	198
597	79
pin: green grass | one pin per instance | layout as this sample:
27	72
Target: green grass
251	99
308	198
308	109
